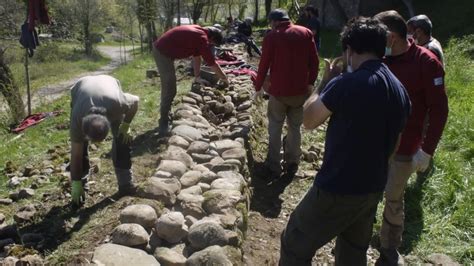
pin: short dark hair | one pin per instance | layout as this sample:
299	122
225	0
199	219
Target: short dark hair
95	125
215	35
421	22
393	21
364	35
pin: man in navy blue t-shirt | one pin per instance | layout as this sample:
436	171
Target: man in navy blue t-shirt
368	107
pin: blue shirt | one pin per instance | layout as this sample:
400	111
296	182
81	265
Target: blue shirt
369	110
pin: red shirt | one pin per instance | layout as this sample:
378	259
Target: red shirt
290	53
185	41
423	77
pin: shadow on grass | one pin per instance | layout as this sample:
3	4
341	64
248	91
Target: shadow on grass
147	143
414	223
266	192
56	226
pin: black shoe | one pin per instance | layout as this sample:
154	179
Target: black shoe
290	169
163	128
127	190
389	257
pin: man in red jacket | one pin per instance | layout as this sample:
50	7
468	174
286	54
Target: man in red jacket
290	54
183	42
422	75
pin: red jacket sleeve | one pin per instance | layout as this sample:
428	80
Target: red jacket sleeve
436	102
265	61
206	53
313	62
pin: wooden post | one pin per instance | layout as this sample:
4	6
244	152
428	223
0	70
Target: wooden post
27	82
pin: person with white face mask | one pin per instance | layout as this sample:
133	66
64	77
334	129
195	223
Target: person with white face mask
422	74
368	107
420	28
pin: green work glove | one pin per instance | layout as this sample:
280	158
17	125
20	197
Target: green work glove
124	131
77	191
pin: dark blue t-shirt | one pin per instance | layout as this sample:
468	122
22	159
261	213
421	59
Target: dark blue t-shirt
369	110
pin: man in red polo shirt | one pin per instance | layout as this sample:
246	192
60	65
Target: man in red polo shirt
422	75
290	54
183	42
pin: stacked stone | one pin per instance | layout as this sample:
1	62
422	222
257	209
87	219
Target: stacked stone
200	180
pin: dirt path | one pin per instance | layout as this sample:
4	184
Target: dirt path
52	92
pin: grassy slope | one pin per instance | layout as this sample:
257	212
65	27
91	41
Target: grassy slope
439	210
52	62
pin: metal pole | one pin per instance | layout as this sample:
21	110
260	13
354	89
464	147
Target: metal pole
27	82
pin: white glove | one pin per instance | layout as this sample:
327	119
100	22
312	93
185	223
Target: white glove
257	95
421	160
202	81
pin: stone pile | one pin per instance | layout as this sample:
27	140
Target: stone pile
201	182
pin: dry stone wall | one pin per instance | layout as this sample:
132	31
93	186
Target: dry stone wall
201	180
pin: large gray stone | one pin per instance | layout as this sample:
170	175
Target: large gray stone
176	168
203	235
162	189
25	214
202	158
178	141
177	154
222	145
208	176
190	178
171	227
214	255
231	183
169	257
235	153
198	147
118	255
131	235
141	214
187	132
190	204
441	259
218	200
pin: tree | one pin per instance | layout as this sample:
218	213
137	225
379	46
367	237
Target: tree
10	90
268	7
257	6
197	7
146	14
339	9
87	13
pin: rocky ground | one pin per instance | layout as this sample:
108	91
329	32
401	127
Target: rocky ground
202	198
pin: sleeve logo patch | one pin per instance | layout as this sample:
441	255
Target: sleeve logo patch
438	81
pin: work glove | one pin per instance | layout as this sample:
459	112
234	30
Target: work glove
421	160
124	131
257	96
77	192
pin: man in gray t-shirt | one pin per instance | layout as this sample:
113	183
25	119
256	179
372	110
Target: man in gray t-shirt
97	105
420	28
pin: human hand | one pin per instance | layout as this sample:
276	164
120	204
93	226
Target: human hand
421	160
77	192
257	96
124	131
332	68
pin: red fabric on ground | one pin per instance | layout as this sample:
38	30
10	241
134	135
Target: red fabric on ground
34	119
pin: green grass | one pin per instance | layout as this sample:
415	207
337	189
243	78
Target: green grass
439	208
52	62
449	18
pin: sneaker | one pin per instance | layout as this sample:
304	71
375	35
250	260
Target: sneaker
269	175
